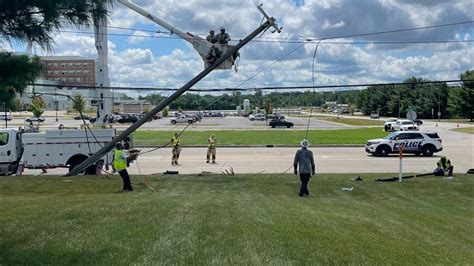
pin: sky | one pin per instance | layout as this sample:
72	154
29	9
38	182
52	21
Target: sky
152	59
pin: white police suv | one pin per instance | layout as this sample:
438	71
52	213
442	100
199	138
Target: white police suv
425	143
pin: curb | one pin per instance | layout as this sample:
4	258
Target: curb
267	146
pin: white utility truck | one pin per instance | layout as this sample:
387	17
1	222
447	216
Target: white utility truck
65	148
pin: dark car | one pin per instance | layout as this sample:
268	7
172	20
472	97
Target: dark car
86	117
418	121
280	123
125	118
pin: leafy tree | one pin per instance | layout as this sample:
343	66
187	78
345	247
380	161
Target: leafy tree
16	71
34	21
461	100
79	103
268	107
37	106
165	112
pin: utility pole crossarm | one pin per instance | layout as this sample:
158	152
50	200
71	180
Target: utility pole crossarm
270	22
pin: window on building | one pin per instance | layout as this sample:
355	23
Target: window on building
55	64
50	72
78	79
86	64
63	65
86	71
63	72
64	79
78	71
71	72
56	72
78	65
50	64
70	64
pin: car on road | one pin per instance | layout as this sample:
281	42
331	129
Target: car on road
275	116
375	116
155	117
86	117
6	117
254	117
426	143
127	118
389	123
418	121
280	123
35	119
182	119
405	125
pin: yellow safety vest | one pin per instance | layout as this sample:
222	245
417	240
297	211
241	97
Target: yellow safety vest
119	162
212	143
176	142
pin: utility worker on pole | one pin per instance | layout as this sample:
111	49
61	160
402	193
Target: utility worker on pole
120	165
222	37
445	164
211	148
211	36
176	143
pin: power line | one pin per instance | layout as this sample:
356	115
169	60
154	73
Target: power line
284	40
449	81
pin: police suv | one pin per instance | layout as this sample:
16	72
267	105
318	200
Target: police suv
411	142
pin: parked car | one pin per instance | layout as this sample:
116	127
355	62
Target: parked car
280	123
275	116
426	143
375	116
126	118
418	121
404	125
389	123
86	117
257	117
6	117
35	119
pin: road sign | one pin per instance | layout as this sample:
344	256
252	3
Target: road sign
411	115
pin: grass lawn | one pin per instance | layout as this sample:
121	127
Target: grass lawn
464	130
352	121
261	137
249	219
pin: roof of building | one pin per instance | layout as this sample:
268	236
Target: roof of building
63	58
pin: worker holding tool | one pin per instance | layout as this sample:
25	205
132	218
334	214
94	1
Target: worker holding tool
176	143
120	165
211	148
444	164
305	161
222	37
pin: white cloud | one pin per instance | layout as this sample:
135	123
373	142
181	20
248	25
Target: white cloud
138	37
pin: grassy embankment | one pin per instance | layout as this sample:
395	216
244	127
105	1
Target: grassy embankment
262	137
469	130
248	219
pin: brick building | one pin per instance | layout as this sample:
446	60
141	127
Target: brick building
69	70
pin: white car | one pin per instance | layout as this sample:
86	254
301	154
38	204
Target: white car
35	119
182	119
257	117
426	143
389	123
404	125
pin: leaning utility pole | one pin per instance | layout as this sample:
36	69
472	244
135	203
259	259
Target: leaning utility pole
270	22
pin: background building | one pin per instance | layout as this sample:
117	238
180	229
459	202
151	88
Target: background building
69	70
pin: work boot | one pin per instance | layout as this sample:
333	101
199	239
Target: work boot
214	162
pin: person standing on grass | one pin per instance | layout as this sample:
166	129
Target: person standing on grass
120	165
211	149
176	143
304	160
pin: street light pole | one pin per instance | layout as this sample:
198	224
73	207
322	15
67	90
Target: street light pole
439	104
56	102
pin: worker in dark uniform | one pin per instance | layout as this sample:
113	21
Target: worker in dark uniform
222	37
211	36
120	165
445	164
304	161
176	143
211	149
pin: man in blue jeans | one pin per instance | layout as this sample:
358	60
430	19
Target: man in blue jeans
305	161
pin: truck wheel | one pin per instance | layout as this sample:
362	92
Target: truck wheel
288	126
251	119
190	121
91	170
382	151
173	122
428	151
273	126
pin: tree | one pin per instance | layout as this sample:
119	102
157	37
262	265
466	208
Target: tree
268	107
37	106
79	103
33	22
16	71
165	112
461	100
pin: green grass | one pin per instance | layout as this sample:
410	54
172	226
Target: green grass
351	121
221	220
262	137
469	130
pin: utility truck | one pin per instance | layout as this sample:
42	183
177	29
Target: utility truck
64	148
